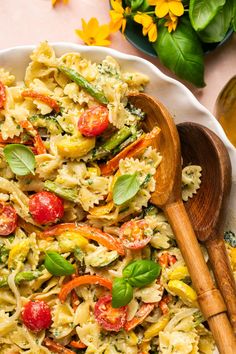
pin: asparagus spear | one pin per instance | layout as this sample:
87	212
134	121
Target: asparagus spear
82	82
70	194
22	276
115	140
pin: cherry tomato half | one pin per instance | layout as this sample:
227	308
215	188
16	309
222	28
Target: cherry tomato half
2	95
109	318
8	219
36	315
93	121
45	207
135	234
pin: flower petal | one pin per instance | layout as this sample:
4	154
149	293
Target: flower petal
83	36
152	2
138	18
103	32
176	7
147	21
92	27
162	10
152	33
103	42
116	5
123	25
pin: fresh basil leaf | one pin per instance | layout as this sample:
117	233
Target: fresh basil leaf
125	188
122	292
201	12
58	265
20	159
181	52
218	27
141	272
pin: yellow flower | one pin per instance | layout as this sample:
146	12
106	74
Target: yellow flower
93	34
171	22
163	7
118	16
149	27
54	2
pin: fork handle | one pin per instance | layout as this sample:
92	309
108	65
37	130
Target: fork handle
209	298
224	276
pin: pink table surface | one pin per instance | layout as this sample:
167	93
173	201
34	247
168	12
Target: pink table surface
31	21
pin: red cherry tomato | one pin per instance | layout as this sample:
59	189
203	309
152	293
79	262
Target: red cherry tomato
135	234
2	95
109	318
8	219
46	207
36	315
93	121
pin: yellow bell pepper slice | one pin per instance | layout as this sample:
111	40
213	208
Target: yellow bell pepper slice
179	273
75	147
157	327
70	240
132	338
187	294
18	253
102	209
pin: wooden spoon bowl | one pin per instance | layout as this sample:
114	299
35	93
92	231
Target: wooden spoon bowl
206	210
167	196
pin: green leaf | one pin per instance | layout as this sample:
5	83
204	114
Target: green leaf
181	52
218	27
201	12
58	265
20	159
234	16
135	4
122	292
142	272
125	188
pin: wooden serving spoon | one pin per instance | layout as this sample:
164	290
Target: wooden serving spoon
206	210
168	197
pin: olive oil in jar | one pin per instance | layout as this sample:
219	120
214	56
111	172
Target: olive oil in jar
226	109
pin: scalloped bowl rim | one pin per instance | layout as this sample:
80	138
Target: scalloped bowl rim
181	103
67	46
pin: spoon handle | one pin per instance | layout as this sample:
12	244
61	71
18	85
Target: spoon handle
224	276
209	298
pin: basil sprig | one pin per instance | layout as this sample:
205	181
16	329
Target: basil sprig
125	188
142	272
20	159
57	265
181	52
136	274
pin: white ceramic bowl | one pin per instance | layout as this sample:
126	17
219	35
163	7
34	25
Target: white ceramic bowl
176	97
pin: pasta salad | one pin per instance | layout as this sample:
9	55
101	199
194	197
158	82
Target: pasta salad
87	263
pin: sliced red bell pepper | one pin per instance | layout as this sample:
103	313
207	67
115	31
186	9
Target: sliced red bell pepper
83	280
131	150
163	304
92	233
39	145
3	95
78	345
15	140
43	98
56	347
166	259
140	316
